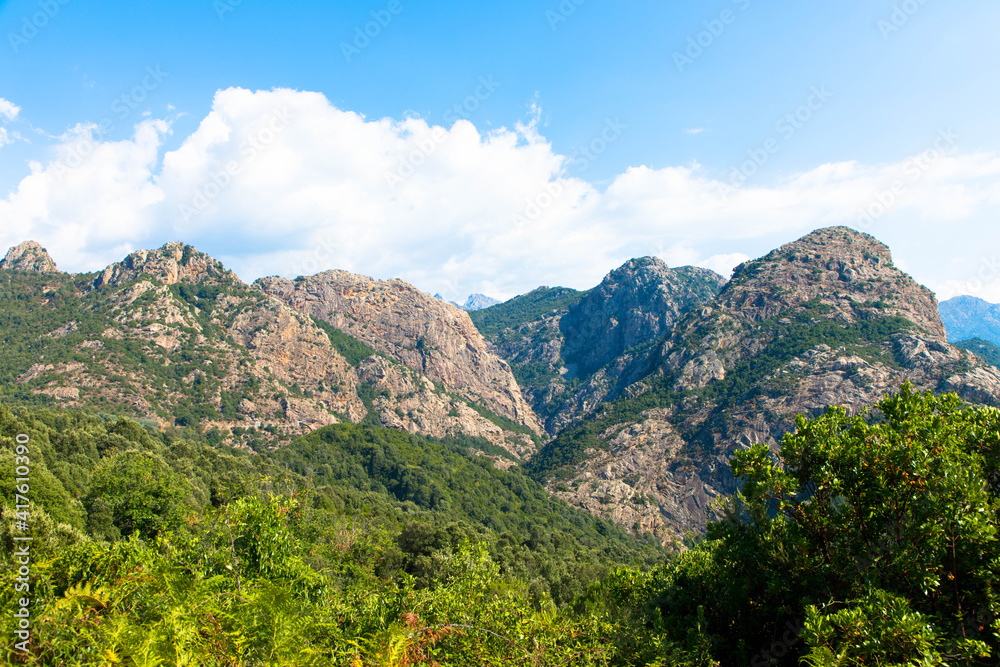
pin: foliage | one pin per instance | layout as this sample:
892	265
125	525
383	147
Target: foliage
352	349
871	541
524	308
142	494
984	348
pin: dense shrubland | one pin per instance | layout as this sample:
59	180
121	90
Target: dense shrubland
873	542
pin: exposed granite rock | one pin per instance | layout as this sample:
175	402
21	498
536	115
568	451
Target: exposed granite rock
28	256
603	343
170	264
177	336
635	304
424	333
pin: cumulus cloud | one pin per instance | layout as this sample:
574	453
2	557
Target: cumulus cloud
283	182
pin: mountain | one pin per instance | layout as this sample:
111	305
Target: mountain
28	256
824	321
439	296
983	348
478	302
645	385
173	337
968	317
571	350
423	333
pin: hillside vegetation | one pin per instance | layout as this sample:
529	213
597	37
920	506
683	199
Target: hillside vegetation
874	543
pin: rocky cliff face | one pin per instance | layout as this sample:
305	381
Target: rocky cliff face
635	304
172	336
824	321
569	360
425	334
171	264
28	256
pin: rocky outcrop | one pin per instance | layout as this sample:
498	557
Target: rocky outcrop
423	333
170	264
571	359
28	256
637	303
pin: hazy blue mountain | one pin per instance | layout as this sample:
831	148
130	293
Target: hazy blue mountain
968	317
478	302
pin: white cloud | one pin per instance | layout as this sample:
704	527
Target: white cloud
694	130
9	109
283	182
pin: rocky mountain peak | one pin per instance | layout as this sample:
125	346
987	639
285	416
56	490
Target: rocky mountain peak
636	303
28	256
172	263
426	334
844	272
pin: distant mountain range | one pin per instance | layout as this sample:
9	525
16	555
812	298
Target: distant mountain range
627	400
968	317
474	302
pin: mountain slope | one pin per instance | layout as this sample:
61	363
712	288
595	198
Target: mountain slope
968	317
425	334
824	321
171	336
983	348
571	350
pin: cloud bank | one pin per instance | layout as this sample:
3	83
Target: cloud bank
283	182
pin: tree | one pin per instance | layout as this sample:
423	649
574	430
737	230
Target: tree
881	528
144	495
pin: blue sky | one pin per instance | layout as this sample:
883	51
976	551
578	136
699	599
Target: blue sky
673	99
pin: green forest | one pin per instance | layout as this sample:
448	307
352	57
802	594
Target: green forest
871	540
